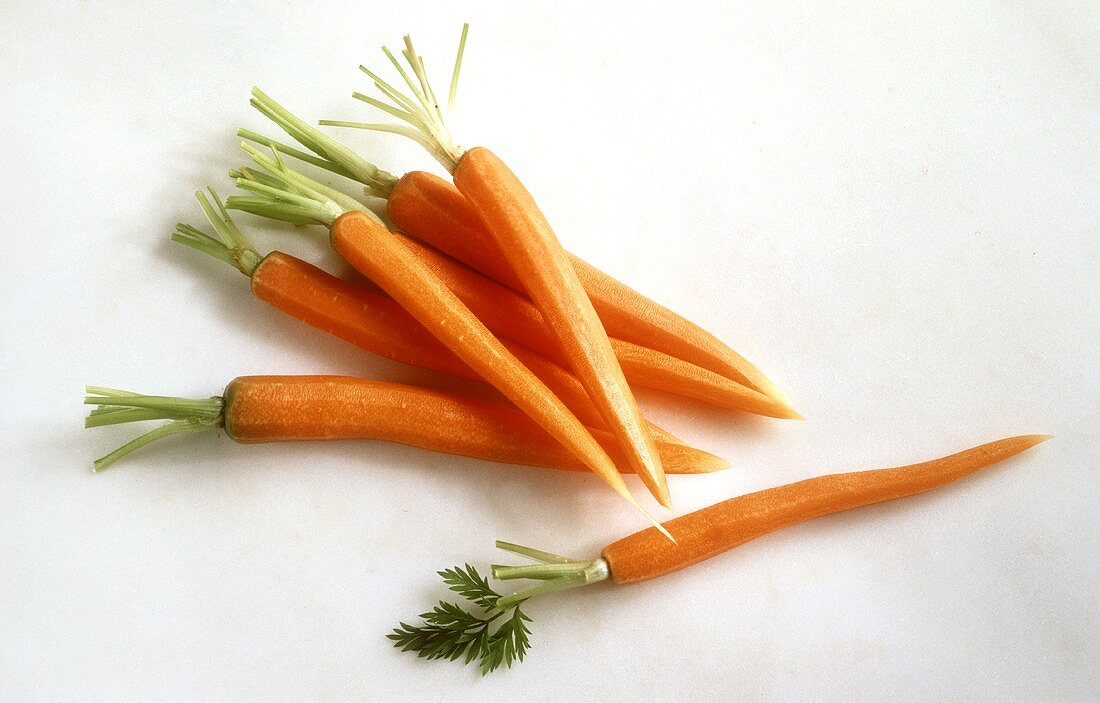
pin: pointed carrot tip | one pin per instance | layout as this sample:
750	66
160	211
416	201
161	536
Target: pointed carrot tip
714	463
664	498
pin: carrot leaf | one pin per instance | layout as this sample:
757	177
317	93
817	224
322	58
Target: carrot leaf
471	585
449	631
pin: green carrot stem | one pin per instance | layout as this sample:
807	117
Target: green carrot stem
378	182
117	407
172	428
312	159
229	246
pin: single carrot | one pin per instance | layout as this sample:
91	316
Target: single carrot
509	213
355	314
713	530
699	535
255	409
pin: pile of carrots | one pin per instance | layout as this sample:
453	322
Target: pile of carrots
471	281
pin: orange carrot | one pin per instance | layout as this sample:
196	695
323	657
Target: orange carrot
256	409
376	252
516	321
446	632
521	231
509	213
708	532
705	533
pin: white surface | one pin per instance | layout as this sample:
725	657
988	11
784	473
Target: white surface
891	207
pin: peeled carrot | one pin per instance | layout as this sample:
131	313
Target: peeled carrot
700	535
513	317
715	529
509	213
376	252
255	409
705	533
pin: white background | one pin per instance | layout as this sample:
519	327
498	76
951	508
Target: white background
891	207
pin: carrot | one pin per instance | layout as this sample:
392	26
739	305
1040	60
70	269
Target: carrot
376	252
699	535
256	409
355	314
729	524
509	213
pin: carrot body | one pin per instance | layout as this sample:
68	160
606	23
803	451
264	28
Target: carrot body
508	314
351	312
431	209
522	233
382	256
376	323
298	408
710	531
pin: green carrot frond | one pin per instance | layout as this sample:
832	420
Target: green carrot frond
451	632
319	161
471	585
117	407
419	107
330	154
229	246
282	193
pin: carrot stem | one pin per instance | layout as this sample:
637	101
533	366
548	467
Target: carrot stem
422	113
377	181
117	406
288	150
230	246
